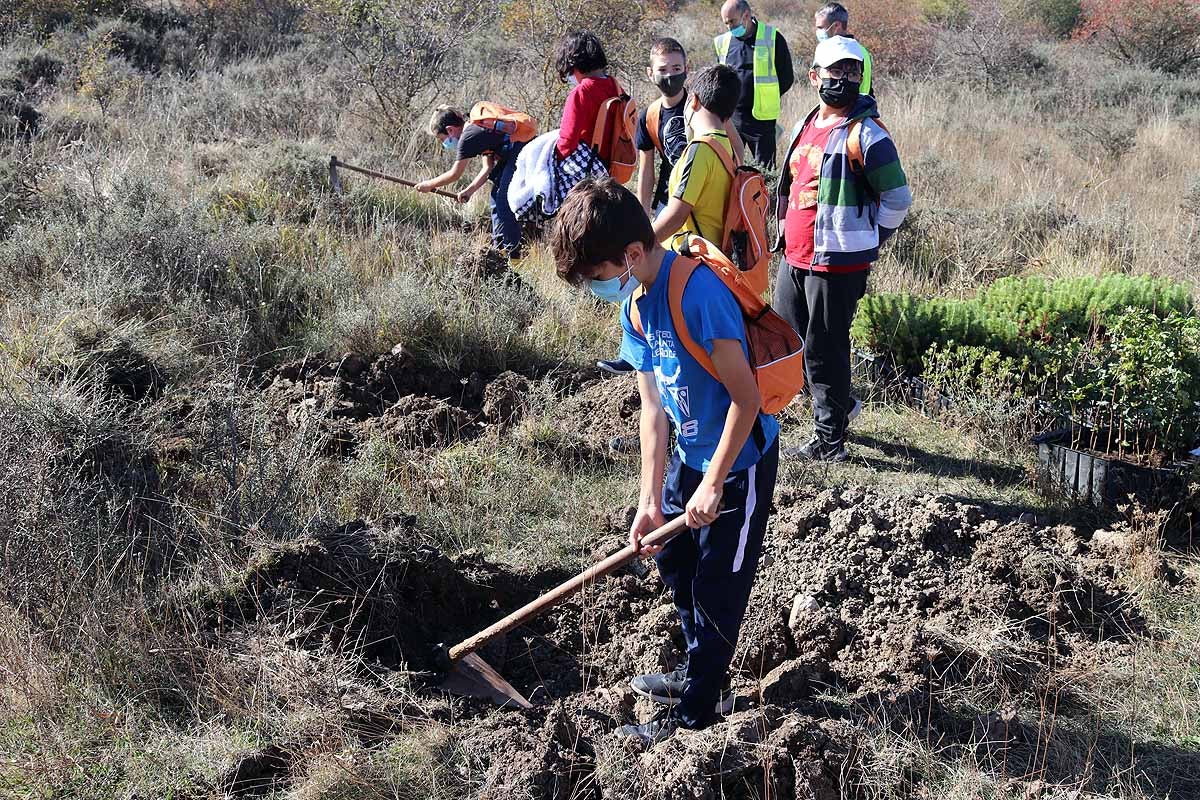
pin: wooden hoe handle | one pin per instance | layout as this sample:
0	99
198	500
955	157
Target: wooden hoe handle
564	590
334	163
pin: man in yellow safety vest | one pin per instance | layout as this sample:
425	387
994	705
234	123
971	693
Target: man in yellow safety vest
832	19
760	55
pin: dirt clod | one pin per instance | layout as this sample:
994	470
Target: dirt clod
505	400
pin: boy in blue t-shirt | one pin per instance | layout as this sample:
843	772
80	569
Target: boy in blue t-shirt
721	474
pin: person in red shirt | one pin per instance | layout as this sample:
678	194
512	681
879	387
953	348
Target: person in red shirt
838	214
580	61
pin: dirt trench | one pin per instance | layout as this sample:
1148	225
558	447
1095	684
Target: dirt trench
864	606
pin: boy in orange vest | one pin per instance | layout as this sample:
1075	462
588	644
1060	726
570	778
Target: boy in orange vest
722	470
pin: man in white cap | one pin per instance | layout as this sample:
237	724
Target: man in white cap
841	195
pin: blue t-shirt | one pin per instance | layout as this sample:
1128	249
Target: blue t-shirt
696	402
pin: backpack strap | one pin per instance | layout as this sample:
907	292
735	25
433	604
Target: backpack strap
681	272
854	147
722	153
653	117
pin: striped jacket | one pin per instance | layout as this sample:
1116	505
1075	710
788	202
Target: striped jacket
850	211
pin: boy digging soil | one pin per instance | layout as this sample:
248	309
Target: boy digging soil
722	471
497	135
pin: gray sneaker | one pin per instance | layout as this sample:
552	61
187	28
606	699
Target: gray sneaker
666	688
652	732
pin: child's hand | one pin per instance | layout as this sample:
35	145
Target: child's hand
645	521
705	505
465	195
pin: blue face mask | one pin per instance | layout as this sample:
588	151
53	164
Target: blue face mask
611	290
822	34
738	32
449	143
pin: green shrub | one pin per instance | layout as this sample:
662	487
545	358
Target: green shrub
1122	351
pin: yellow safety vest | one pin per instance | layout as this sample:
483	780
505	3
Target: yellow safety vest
865	88
766	81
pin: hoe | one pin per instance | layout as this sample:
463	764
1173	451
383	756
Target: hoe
469	675
336	182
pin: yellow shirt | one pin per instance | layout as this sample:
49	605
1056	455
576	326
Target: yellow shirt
701	180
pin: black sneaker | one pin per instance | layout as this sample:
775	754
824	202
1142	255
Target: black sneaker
817	449
652	732
666	688
617	366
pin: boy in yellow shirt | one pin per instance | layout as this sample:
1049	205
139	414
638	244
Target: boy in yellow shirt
699	186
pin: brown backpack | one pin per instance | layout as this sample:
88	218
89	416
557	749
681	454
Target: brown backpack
776	350
613	135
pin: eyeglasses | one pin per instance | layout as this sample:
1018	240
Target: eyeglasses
837	73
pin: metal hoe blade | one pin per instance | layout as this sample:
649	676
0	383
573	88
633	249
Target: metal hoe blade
471	676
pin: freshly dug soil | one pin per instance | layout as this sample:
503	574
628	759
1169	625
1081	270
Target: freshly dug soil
374	589
601	410
870	599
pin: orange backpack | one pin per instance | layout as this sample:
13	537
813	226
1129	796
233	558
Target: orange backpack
776	350
613	135
744	235
495	117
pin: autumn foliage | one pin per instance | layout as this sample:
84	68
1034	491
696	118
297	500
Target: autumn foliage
1161	34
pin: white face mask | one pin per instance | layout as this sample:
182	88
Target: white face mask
572	81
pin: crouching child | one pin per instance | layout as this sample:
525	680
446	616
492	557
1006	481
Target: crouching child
495	134
721	473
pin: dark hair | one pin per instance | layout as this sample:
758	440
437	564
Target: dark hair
834	12
717	88
665	46
595	223
443	117
741	6
580	50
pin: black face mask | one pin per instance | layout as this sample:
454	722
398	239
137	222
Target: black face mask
839	92
670	85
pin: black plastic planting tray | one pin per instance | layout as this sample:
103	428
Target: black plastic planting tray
1087	477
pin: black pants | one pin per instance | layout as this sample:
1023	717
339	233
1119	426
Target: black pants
820	306
759	137
710	572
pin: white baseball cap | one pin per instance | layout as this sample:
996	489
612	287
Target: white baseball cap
835	49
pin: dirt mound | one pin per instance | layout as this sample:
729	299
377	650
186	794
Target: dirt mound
506	399
871	598
863	604
372	589
359	388
416	421
485	261
352	399
601	410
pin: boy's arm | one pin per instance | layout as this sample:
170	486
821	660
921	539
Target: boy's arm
733	370
887	180
652	429
645	185
445	179
485	170
671	219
